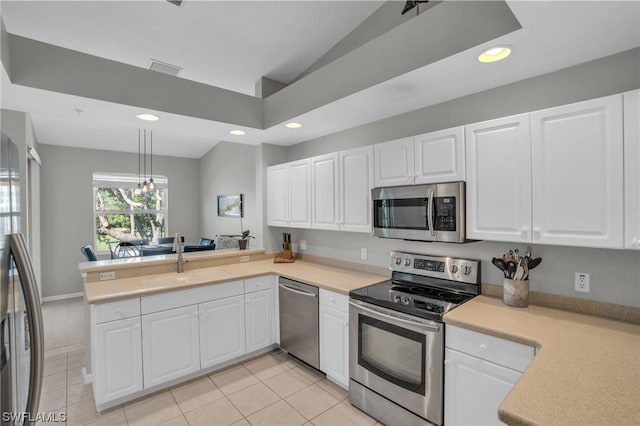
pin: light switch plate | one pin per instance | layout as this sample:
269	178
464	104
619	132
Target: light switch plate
111	275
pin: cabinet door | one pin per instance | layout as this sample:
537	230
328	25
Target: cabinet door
258	314
300	194
170	343
439	156
334	344
499	179
118	359
278	195
324	192
394	163
474	389
356	181
222	335
632	169
577	174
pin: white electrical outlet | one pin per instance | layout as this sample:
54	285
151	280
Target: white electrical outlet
582	282
363	253
107	276
245	259
303	245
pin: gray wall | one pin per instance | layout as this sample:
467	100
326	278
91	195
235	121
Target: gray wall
229	169
615	273
67	205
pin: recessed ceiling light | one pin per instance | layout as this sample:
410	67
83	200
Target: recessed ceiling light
494	54
148	117
237	132
293	125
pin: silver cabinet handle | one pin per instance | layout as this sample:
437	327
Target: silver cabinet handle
18	249
430	214
393	318
304	293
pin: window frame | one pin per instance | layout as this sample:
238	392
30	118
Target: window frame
126	180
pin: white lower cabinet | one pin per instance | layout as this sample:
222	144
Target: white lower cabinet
334	336
117	359
479	372
258	314
139	344
170	345
222	330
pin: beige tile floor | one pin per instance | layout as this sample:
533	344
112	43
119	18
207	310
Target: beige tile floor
271	390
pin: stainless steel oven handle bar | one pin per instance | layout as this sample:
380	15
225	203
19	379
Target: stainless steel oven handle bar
430	214
304	293
395	318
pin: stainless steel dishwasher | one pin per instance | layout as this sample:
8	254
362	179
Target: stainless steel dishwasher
299	320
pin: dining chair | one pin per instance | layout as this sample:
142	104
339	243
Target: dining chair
89	253
125	249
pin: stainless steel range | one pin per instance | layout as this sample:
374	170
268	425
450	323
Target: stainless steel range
396	337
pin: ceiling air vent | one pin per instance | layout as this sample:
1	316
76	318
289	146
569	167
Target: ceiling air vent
176	2
163	67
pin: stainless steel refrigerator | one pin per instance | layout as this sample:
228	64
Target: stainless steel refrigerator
21	337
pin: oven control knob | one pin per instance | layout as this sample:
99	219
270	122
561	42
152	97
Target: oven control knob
407	262
396	299
466	269
454	269
406	300
398	261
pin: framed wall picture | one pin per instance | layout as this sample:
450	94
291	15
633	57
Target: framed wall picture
230	205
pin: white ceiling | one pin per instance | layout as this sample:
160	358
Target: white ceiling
555	35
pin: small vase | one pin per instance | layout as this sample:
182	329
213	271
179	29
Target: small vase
515	293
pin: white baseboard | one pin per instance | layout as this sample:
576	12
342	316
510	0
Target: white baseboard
61	297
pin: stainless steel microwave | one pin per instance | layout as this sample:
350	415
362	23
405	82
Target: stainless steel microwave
420	212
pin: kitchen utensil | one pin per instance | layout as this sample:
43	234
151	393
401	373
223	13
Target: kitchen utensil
534	262
511	268
520	271
500	264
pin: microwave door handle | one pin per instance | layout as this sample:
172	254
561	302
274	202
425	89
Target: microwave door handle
430	214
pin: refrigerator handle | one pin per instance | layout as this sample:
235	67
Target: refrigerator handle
18	249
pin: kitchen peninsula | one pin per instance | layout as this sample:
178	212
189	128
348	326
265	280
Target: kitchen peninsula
151	328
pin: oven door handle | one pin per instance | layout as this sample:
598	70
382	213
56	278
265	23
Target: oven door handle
430	214
393	318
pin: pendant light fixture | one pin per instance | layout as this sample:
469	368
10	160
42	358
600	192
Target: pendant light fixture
143	185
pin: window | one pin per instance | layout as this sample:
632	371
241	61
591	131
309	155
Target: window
123	213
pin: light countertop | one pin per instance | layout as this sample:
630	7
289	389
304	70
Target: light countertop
331	278
586	371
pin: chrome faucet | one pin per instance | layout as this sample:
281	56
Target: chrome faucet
177	247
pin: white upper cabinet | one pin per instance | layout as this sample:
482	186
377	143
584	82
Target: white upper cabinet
499	179
430	158
356	180
278	195
300	194
632	169
577	158
289	194
325	192
439	156
394	164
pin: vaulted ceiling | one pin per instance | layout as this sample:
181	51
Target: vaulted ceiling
79	67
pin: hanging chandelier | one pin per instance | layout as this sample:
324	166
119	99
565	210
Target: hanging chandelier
145	186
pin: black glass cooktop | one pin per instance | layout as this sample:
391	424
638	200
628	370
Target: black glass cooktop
416	299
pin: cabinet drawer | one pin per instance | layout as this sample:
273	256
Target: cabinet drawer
192	296
494	349
121	309
251	285
334	300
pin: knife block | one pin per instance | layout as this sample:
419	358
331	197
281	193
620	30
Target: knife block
287	254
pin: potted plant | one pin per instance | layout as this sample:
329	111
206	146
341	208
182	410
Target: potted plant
243	241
